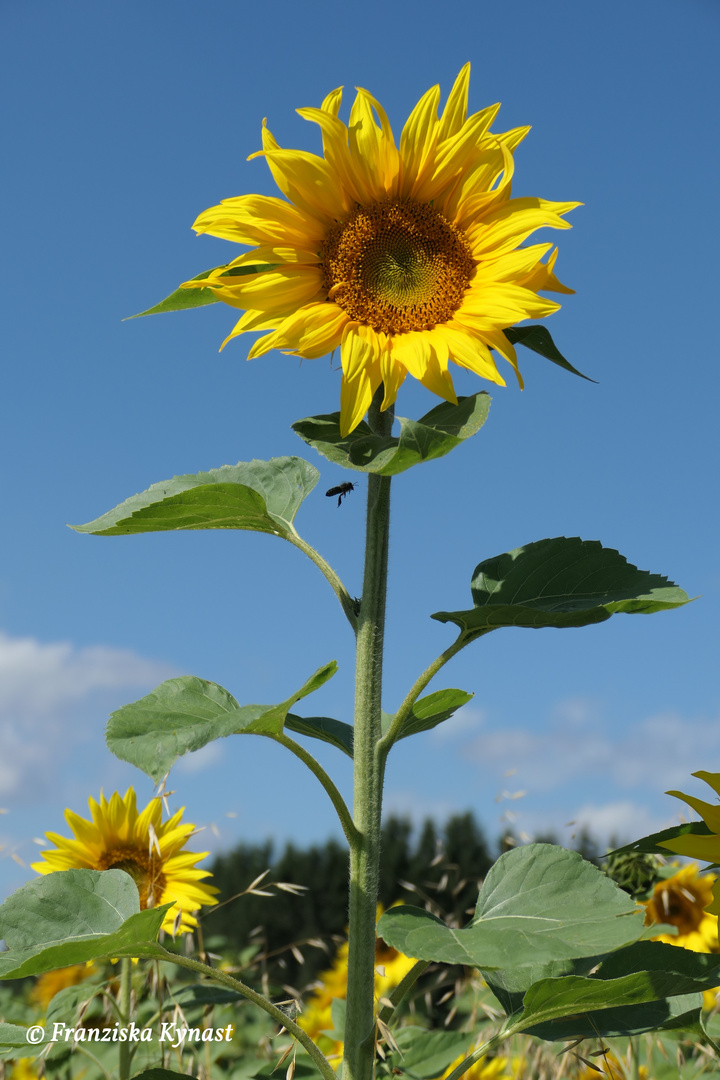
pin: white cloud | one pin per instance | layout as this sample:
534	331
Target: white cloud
46	693
36	678
656	752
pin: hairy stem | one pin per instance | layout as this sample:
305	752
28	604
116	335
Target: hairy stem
125	1049
358	1061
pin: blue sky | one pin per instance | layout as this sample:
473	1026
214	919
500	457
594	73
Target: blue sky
122	122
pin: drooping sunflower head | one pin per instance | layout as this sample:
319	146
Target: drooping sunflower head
147	848
405	258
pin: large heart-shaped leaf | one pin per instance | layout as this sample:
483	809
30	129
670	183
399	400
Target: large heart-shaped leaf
538	903
432	436
72	916
185	714
560	582
260	495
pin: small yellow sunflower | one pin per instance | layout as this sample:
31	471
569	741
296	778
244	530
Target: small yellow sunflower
485	1068
145	847
681	901
52	982
404	258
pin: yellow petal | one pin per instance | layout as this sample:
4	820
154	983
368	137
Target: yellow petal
273	291
508	225
360	356
260	219
494	305
332	102
542	278
313	331
309	183
418	140
455	111
469	351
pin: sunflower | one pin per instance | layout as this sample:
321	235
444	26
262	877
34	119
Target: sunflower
404	258
681	900
145	847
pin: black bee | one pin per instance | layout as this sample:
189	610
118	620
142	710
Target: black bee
341	490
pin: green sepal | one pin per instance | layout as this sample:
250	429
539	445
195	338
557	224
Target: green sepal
539	339
560	582
182	299
72	916
650	845
263	496
432	436
187	713
425	1054
537	904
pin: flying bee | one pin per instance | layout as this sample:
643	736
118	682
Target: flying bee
341	490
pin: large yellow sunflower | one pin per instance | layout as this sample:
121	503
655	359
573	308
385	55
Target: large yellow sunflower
405	258
149	849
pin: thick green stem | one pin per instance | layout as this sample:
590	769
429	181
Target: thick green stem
124	1053
359	1053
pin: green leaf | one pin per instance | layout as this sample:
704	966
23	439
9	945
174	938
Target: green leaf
650	845
539	340
324	728
185	714
538	903
618	998
182	299
560	582
14	1042
71	916
432	436
260	495
562	1008
427	1054
162	1074
431	710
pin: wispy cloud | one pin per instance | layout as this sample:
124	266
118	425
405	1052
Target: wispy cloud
47	692
655	752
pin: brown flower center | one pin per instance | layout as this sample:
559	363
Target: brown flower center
680	908
397	266
142	868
